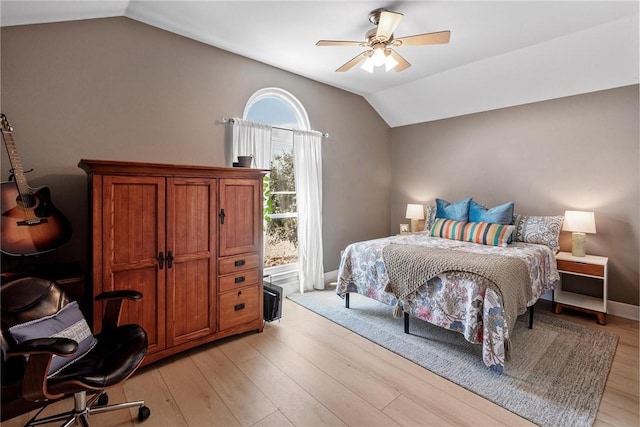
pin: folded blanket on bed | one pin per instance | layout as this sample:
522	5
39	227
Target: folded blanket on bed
411	266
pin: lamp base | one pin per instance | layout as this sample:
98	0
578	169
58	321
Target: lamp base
414	225
578	241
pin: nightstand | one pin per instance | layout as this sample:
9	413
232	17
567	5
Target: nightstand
589	266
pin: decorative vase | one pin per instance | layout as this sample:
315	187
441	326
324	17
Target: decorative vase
245	161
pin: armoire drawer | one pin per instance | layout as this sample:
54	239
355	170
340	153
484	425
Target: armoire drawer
238	263
239	307
238	280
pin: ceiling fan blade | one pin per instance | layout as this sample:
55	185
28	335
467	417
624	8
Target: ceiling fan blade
340	43
354	61
387	24
441	37
403	64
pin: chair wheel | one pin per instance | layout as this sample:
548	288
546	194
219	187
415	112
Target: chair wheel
143	413
103	400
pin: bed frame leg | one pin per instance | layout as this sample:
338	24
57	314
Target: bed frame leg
406	322
531	317
346	300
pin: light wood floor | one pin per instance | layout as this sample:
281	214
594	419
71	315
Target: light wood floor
299	373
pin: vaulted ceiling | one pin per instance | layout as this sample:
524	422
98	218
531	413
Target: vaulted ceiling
501	53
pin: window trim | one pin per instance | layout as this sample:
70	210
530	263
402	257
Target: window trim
284	96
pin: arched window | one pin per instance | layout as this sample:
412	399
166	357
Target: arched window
283	111
276	107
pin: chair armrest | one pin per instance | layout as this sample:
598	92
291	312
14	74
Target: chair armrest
124	294
113	307
40	352
58	346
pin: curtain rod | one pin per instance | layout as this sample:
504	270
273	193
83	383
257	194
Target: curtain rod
230	119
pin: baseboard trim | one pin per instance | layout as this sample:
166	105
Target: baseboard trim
621	309
331	276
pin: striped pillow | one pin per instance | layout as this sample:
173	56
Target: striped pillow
448	228
484	233
487	233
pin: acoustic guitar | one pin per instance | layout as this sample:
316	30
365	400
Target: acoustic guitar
31	224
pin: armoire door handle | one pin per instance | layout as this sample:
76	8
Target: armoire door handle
169	259
160	260
222	215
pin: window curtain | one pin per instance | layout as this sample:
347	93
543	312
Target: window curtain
250	139
307	154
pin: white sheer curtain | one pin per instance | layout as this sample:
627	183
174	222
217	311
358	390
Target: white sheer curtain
251	139
307	154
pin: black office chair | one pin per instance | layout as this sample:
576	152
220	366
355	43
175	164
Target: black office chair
109	358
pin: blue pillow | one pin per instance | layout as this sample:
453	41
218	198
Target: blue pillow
458	211
66	323
502	214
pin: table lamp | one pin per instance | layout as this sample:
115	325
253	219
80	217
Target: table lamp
414	213
579	223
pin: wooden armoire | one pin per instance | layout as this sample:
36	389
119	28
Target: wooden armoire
189	238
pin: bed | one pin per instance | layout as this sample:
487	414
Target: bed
456	300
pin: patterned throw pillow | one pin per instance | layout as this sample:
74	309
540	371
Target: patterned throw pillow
458	211
483	233
429	217
66	323
542	230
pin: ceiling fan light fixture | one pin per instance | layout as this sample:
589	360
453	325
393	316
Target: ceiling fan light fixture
389	61
380	40
378	56
367	65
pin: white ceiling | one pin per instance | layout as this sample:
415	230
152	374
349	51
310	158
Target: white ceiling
501	54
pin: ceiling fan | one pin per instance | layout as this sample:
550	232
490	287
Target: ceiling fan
380	42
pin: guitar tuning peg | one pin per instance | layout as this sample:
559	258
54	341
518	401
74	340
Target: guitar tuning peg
5	123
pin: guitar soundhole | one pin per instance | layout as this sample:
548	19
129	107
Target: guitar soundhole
26	202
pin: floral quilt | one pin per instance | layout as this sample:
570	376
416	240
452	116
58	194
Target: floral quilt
458	301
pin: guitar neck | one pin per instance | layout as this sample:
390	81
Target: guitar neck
16	164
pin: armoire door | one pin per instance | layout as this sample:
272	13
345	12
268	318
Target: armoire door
240	216
133	236
191	259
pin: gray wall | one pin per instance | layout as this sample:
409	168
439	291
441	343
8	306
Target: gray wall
119	89
575	153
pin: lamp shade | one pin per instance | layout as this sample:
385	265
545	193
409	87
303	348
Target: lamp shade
580	222
377	57
415	211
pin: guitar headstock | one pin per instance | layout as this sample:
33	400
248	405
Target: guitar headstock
4	122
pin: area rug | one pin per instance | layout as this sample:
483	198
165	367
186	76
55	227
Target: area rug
556	375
